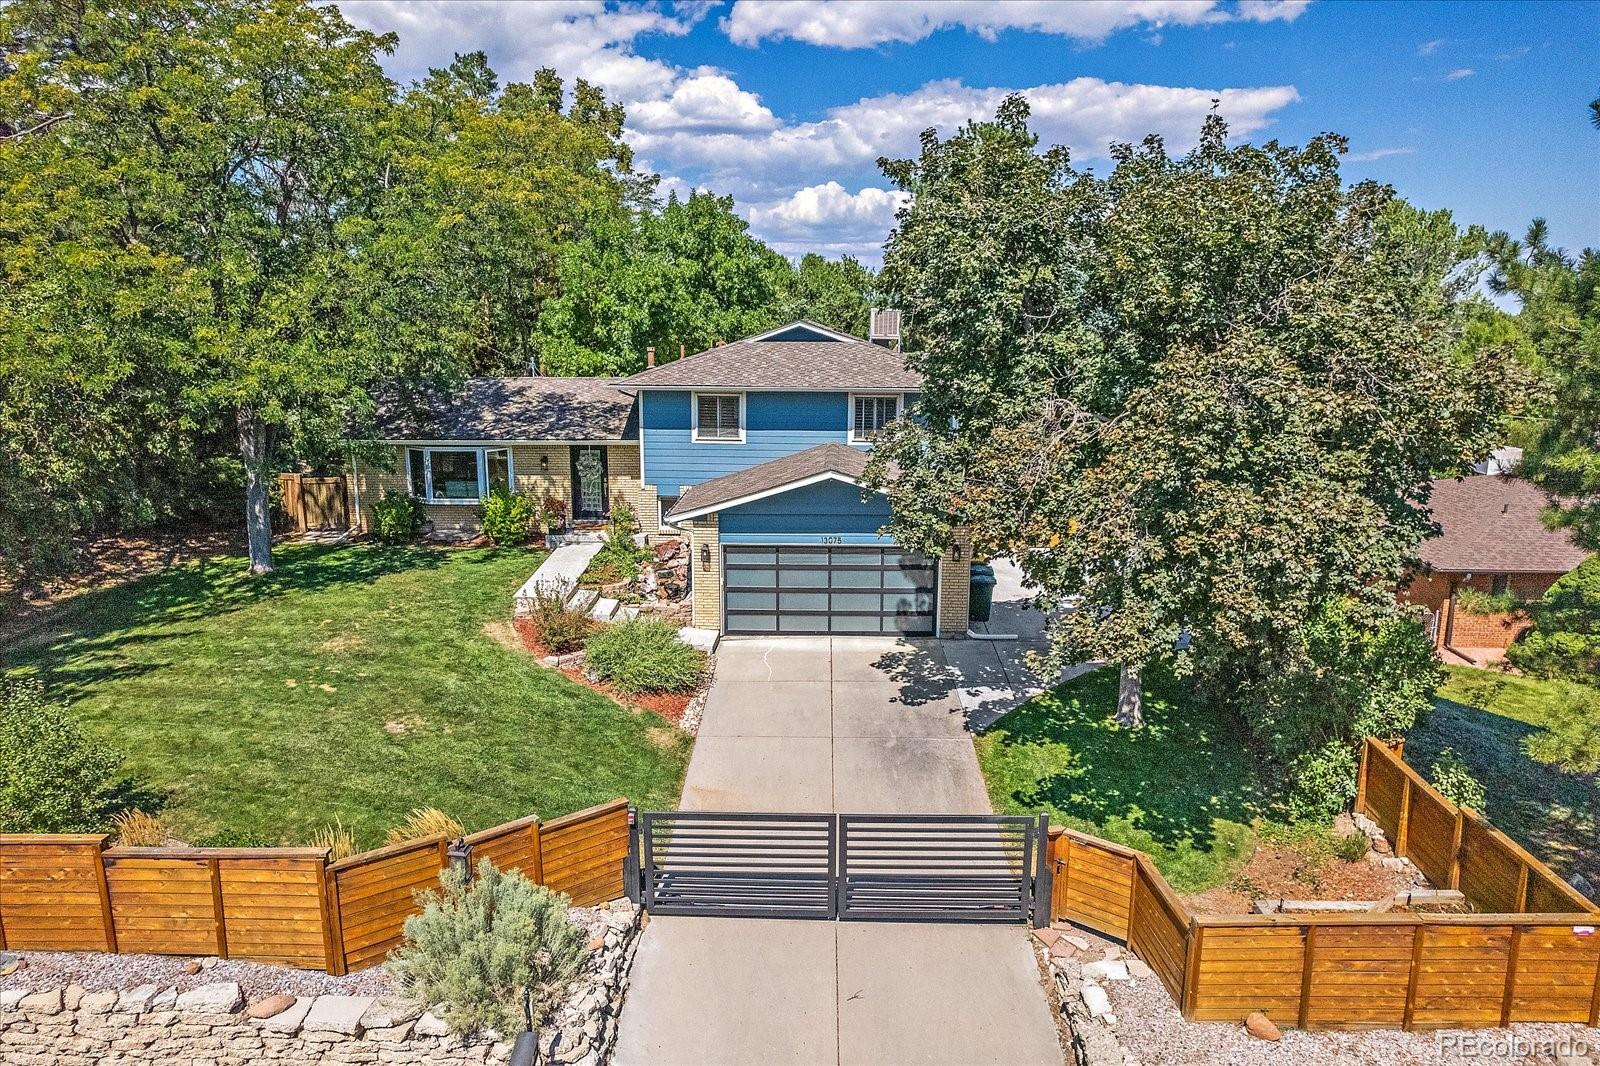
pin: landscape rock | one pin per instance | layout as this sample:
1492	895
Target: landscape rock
1047	937
270	1007
72	998
1063	949
391	1011
1094	997
1137	968
136	1000
337	1014
221	997
430	1024
1261	1027
45	1002
1108	970
98	1002
289	1020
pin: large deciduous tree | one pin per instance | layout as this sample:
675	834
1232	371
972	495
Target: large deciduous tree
1204	395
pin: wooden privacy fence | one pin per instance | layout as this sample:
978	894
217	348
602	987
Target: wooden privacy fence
1531	955
315	502
283	905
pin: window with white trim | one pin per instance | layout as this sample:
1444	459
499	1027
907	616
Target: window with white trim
870	413
457	475
719	417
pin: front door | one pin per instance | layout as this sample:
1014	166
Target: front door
589	500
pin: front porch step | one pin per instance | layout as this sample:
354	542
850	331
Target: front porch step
604	607
582	600
628	613
561	569
704	639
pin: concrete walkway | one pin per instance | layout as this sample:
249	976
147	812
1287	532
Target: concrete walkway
850	724
561	569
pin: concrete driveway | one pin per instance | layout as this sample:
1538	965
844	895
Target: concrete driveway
822	724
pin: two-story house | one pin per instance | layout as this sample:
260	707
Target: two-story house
753	451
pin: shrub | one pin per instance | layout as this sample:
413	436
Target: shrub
1571	737
337	839
396	517
53	778
561	629
1361	670
644	655
425	822
1476	601
477	945
508	516
624	523
553	513
1565	641
1455	781
137	829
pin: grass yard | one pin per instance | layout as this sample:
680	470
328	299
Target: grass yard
1485	716
1182	788
354	683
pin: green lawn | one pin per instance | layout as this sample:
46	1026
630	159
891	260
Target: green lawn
354	683
1183	788
1486	716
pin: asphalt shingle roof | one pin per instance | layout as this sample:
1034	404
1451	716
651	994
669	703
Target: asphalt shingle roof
511	409
823	459
1491	524
831	365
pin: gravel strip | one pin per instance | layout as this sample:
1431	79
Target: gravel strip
96	971
1150	1026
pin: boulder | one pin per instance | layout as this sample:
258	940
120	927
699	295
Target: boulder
219	997
1260	1026
270	1007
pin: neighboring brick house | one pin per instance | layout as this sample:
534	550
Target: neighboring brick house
754	451
1492	539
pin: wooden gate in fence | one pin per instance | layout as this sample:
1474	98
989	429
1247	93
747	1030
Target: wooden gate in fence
315	502
282	905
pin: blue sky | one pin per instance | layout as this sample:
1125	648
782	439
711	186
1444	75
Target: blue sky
1476	107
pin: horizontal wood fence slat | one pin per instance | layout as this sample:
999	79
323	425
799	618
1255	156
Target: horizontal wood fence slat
1530	953
292	906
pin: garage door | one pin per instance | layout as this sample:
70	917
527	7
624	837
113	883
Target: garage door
773	589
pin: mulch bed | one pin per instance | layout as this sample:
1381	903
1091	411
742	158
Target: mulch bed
669	705
1284	873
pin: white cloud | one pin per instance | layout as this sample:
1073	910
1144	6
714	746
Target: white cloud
1427	48
1459	73
1377	153
584	38
865	23
827	218
705	101
1086	114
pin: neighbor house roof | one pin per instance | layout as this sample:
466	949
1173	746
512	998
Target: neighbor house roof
1491	524
838	462
801	355
510	409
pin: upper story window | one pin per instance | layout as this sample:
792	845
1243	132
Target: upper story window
719	417
457	475
870	413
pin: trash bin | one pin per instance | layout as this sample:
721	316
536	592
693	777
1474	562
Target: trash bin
981	601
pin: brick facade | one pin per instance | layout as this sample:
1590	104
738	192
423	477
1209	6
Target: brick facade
955	587
706	582
528	462
1459	628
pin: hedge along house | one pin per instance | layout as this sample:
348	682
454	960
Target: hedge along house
1492	540
572	438
755	451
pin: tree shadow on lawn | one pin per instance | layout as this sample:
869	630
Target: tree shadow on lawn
1174	784
1552	813
96	629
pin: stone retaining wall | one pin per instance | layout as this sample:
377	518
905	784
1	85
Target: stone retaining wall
211	1025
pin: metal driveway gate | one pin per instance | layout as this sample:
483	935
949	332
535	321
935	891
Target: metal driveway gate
855	867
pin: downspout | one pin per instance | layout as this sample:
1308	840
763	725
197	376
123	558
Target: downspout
1449	627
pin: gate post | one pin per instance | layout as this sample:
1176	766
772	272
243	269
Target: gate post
1043	886
631	876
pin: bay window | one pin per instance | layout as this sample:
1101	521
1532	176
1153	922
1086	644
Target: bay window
457	475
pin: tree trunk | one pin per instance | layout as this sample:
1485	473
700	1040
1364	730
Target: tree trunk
253	446
1130	704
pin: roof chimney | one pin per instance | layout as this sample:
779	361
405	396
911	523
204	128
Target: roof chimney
681	349
650	356
885	327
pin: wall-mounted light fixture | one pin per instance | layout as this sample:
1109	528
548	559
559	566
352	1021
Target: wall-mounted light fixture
956	553
544	463
705	556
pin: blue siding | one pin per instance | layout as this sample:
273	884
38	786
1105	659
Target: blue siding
776	424
830	509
